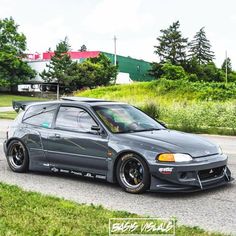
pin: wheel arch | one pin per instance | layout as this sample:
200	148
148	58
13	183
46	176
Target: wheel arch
120	155
15	138
18	139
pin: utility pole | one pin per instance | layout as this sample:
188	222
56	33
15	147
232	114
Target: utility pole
115	38
226	67
58	90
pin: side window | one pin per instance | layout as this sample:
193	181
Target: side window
40	115
75	119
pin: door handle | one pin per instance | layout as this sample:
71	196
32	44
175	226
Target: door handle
55	136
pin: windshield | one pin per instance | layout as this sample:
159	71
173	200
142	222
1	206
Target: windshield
125	119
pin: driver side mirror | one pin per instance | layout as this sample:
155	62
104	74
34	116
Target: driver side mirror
96	128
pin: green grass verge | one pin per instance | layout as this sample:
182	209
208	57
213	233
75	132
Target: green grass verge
28	213
10	115
6	99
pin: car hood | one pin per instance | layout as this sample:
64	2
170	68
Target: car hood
175	141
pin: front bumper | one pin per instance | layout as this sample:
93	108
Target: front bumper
199	174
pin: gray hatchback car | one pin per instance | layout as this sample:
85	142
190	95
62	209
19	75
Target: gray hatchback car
112	141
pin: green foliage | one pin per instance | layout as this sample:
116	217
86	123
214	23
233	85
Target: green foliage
172	72
28	213
11	41
156	70
199	67
200	48
171	45
83	48
192	67
211	73
227	62
61	67
192	78
13	70
204	72
94	72
152	109
232	76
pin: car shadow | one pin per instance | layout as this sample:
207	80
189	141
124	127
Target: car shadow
75	178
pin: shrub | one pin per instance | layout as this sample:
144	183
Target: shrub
172	72
152	110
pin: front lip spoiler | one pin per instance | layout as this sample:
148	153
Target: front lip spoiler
166	186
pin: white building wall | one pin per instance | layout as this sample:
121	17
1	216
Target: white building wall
38	66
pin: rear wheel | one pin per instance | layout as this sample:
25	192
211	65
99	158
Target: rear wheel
133	174
17	156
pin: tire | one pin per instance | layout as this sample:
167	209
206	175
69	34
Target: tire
133	174
17	156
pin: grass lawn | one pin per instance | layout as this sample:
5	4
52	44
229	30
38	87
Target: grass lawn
6	99
28	213
10	115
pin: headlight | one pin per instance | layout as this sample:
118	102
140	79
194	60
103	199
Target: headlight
177	157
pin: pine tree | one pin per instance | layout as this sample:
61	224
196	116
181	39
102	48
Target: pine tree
60	68
83	48
172	46
229	65
200	48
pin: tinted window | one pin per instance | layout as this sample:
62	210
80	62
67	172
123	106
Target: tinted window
75	119
40	115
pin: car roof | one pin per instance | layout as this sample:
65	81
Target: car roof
78	101
82	99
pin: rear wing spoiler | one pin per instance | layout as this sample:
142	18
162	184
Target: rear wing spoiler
21	105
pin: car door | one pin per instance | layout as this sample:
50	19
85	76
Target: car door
36	123
73	145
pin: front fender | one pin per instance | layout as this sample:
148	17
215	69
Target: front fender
118	149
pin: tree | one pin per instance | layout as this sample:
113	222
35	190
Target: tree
192	67
172	72
156	70
13	70
61	67
227	62
200	48
94	72
211	73
83	48
171	45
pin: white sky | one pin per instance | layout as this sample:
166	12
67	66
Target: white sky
136	23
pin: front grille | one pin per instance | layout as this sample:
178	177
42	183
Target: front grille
211	173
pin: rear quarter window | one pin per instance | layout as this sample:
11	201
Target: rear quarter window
40	115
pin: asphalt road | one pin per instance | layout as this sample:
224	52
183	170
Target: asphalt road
213	210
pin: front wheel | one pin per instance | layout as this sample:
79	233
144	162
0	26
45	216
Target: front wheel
17	156
133	174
